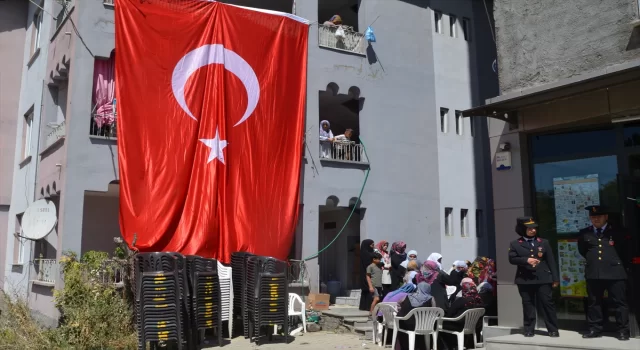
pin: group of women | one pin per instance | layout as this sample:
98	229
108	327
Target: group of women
412	284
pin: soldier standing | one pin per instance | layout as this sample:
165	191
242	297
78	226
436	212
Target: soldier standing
537	274
604	270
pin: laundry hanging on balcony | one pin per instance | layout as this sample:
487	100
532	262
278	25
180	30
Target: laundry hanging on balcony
104	92
370	35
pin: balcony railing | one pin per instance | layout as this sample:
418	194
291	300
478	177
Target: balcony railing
351	42
103	129
108	2
344	151
47	270
57	132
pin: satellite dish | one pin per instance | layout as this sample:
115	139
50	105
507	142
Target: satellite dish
39	220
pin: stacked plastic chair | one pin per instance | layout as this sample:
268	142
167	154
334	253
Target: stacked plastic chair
205	298
157	299
226	293
183	284
267	295
239	261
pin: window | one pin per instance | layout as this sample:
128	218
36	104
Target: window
479	223
437	19
35	32
472	127
18	242
448	221
466	29
26	134
464	223
444	120
459	123
452	26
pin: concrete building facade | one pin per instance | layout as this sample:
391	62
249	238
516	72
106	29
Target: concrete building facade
429	175
568	110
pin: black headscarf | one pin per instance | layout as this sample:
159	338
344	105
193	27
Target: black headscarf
366	253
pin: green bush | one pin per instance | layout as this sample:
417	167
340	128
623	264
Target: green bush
95	315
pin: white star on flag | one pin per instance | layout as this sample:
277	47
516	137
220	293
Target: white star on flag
216	146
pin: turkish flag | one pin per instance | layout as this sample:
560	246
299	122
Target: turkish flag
211	102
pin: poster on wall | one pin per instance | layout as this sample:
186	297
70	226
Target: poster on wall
571	195
571	263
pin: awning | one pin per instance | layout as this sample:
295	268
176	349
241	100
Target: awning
502	106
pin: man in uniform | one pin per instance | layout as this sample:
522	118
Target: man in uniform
604	270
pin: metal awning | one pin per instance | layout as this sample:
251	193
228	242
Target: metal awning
501	107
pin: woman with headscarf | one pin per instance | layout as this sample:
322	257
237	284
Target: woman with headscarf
437	257
433	276
469	300
398	256
382	248
366	256
420	298
326	138
485	290
483	269
455	277
412	271
335	20
412	255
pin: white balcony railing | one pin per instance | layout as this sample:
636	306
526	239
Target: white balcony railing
47	270
346	152
107	130
57	132
351	42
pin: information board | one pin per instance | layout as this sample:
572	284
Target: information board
571	267
571	195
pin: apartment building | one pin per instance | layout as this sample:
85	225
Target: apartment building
429	179
564	133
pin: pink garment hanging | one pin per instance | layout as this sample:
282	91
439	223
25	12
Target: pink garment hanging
104	91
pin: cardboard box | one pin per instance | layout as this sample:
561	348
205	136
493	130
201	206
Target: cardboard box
317	301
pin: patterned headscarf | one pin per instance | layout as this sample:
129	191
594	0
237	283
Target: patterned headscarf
483	269
398	247
336	19
470	292
430	272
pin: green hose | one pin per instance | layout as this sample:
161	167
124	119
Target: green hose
364	183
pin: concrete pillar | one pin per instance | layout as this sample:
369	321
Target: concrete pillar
511	199
310	245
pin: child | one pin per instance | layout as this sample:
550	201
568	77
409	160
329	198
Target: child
374	278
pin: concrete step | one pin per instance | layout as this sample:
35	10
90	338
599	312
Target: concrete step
366	330
354	293
356	321
348	301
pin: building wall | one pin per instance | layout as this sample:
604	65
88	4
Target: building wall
580	36
24	172
13	23
399	80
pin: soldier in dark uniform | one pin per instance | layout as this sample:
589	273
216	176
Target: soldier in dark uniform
537	274
604	270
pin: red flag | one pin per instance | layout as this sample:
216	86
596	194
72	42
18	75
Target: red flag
211	102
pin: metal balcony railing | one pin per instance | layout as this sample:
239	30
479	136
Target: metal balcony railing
57	132
346	151
47	270
351	42
107	130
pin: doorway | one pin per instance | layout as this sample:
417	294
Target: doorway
630	191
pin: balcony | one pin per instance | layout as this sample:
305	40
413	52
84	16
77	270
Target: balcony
103	125
58	131
109	2
349	152
353	41
47	271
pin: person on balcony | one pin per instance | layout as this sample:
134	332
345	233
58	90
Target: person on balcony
341	145
326	138
335	21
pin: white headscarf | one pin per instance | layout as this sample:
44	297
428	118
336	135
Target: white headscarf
328	132
411	252
435	257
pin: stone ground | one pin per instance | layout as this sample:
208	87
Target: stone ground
309	341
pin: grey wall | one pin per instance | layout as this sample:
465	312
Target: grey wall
544	41
13	22
405	78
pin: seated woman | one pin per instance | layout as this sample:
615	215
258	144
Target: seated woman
469	300
412	271
436	278
420	298
396	297
485	290
455	278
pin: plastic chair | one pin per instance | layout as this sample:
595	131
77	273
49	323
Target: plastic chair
389	311
225	276
471	318
293	299
426	318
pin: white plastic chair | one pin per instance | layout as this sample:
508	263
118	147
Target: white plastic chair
389	311
426	318
226	291
293	300
471	318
